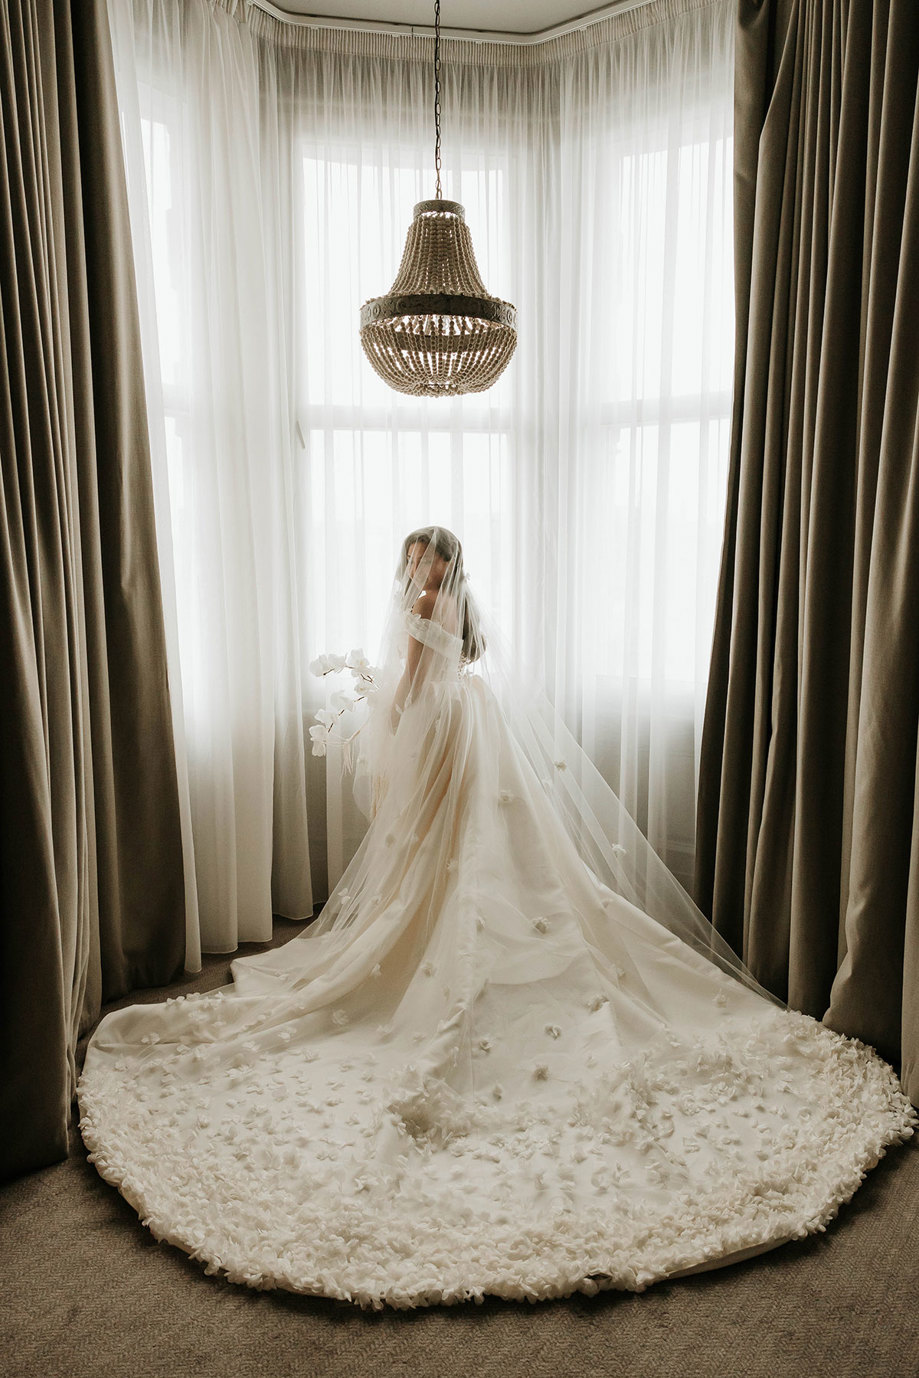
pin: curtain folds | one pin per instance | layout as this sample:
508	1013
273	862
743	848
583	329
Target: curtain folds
272	173
808	809
91	869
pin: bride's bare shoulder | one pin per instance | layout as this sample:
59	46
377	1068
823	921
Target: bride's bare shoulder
423	605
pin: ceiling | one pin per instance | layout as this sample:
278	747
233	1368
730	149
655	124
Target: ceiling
522	20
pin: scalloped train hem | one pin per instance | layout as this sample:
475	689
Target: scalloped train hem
509	1272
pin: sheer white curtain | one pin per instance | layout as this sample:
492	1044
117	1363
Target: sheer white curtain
645	392
272	173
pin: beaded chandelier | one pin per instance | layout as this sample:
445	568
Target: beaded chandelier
437	332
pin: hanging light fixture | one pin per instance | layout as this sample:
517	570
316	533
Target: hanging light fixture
437	332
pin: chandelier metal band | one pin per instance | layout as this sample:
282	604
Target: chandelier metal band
440	207
432	305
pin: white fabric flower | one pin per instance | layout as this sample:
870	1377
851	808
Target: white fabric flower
319	737
326	663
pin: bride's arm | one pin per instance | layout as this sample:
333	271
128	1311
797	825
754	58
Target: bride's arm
423	607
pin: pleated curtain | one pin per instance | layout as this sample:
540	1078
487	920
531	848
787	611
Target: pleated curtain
808	811
91	866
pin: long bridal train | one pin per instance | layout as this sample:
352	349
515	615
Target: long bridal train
484	1069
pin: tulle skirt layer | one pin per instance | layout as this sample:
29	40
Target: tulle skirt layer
480	1071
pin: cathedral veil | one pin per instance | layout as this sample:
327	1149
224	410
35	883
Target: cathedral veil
510	1056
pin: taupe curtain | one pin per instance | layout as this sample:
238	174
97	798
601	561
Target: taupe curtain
91	880
808	809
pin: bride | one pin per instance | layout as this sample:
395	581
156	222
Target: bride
509	1057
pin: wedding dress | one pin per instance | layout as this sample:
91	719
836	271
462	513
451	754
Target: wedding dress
510	1057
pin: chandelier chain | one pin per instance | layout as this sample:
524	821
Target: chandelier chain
437	95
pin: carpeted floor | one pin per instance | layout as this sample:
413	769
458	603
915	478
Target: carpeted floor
88	1293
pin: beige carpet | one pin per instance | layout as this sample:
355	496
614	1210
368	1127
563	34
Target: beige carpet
88	1293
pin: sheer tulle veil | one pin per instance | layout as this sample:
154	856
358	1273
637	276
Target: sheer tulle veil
436	631
489	1065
